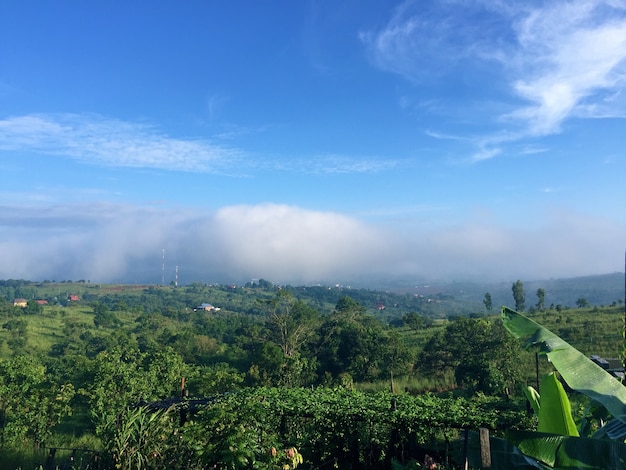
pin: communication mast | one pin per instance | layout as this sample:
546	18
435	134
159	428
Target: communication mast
176	280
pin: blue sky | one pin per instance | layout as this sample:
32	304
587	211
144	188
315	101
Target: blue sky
312	141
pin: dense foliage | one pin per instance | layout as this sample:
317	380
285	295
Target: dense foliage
283	367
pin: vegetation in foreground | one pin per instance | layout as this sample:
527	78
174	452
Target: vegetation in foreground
77	372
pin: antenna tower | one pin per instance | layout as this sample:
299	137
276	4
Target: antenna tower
176	281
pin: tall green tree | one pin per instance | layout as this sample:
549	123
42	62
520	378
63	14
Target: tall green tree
481	354
354	343
17	328
124	376
33	308
30	404
292	327
488	303
582	303
415	321
103	317
518	295
292	321
541	299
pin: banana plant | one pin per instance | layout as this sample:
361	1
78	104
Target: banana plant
552	407
579	372
556	443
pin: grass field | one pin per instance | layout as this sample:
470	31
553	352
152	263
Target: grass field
594	330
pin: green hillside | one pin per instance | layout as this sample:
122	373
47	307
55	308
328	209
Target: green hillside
86	352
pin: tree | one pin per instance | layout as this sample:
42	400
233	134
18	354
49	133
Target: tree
582	303
415	321
123	376
353	343
103	316
18	330
399	358
479	352
292	325
30	405
487	301
33	308
518	295
541	298
293	321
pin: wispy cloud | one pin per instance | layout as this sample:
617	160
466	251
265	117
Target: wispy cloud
424	40
337	164
93	138
532	150
562	59
55	194
571	54
98	140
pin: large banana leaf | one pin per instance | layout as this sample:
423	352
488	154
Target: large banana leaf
555	411
567	452
580	373
533	398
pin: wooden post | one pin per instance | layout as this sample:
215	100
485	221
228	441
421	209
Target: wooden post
183	410
465	449
50	458
485	448
537	370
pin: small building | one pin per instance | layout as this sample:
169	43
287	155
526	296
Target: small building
20	303
42	302
207	308
73	298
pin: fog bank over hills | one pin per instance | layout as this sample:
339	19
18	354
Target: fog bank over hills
287	244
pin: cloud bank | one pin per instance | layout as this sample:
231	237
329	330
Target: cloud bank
288	244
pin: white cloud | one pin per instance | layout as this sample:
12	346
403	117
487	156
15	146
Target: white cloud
423	40
96	139
99	140
286	242
337	164
569	52
562	59
107	242
486	154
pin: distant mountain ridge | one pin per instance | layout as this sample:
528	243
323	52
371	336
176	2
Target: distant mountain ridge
603	289
391	298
